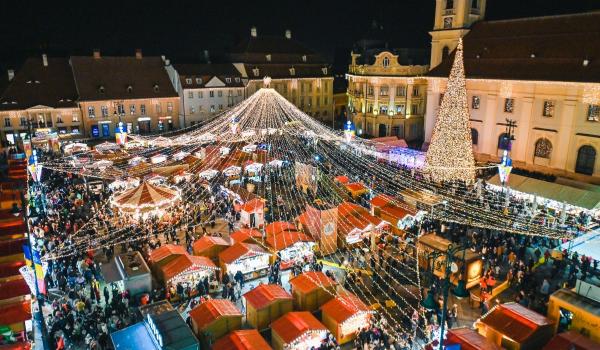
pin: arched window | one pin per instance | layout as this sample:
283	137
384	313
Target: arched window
504	141
386	61
586	159
474	136
543	148
445	52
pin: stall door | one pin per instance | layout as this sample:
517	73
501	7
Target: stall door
105	130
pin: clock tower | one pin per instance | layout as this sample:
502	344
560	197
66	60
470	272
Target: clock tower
453	18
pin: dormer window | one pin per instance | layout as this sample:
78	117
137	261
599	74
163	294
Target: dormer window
303	58
188	81
324	69
268	57
129	89
155	87
292	71
37	81
101	89
386	62
237	79
198	80
256	72
228	80
29	81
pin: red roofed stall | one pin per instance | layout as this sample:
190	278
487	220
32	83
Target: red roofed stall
571	340
291	246
14	315
469	339
187	268
279	226
246	235
213	319
246	339
252	213
210	246
251	259
344	316
266	303
297	330
311	290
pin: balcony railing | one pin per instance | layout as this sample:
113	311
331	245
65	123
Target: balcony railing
475	11
448	12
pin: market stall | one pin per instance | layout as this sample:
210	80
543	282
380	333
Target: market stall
146	199
129	272
75	147
210	246
571	340
213	319
188	269
265	304
252	213
253	169
355	223
245	339
311	290
164	254
291	247
279	226
356	189
321	223
297	331
577	309
208	174
246	235
345	315
251	259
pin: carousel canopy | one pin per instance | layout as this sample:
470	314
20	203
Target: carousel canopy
146	196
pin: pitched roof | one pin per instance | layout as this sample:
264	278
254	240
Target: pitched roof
15	312
239	250
213	309
35	84
294	324
116	74
206	72
343	307
245	234
166	250
382	200
282	50
284	70
572	340
184	263
356	186
207	242
246	339
469	339
342	179
549	48
14	288
253	204
311	280
348	208
516	320
265	294
279	226
286	239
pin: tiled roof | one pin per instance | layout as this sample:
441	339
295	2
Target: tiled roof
286	239
281	49
184	263
35	84
201	74
246	339
279	226
347	208
382	200
238	250
245	234
310	281
294	324
549	48
213	309
355	187
515	320
265	294
207	242
166	250
285	70
343	307
109	78
342	179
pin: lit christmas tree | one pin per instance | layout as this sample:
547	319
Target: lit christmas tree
450	153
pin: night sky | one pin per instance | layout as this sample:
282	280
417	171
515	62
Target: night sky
182	30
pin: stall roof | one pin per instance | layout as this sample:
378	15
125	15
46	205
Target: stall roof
515	320
265	294
245	234
240	249
279	226
343	307
286	239
174	331
135	337
15	312
294	324
253	205
166	250
132	264
311	280
561	193
441	244
469	339
207	242
348	208
342	179
571	340
213	309
247	339
185	262
17	346
356	187
10	269
382	200
398	212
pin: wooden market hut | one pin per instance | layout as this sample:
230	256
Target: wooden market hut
297	330
164	254
265	304
184	265
571	340
279	226
355	222
252	213
311	290
468	339
342	179
210	246
344	316
246	235
356	189
245	339
380	201
585	311
513	326
213	319
289	240
247	252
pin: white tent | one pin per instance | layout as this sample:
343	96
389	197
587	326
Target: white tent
76	147
127	183
208	174
180	155
232	170
101	164
107	147
249	148
224	151
254	168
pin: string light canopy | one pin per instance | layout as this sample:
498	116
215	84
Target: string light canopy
450	153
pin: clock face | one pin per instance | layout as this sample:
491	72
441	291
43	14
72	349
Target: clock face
328	229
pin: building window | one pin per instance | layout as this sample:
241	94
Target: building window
504	142
228	80
256	72
441	98
401	90
7	122
593	113
396	131
383	91
475	4
239	92
509	105
370	108
188	81
158	108
169	107
132	109
59	119
268	58
190	94
143	109
318	101
220	107
23	121
104	111
474	136
543	148
386	61
237	79
415	91
92	112
370	90
325	100
121	109
303	58
220	93
400	108
475	102
212	108
449	4
198	80
192	110
383	109
447	22
75	117
586	160
211	93
548	109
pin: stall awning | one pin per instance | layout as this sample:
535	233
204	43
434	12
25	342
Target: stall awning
13	313
134	337
561	193
111	273
239	250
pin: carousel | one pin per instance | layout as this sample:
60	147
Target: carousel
146	199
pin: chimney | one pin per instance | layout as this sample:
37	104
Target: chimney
138	54
206	56
45	60
288	34
253	32
11	74
96	53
